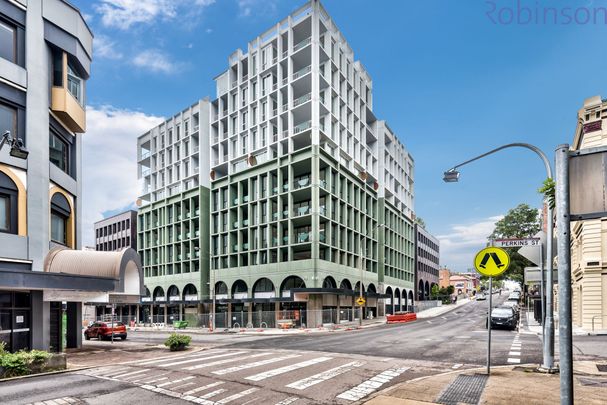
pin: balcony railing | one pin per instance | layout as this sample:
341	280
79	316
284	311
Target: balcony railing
302	127
304	210
302	99
301	183
285	134
302	44
303	237
145	155
302	72
285	54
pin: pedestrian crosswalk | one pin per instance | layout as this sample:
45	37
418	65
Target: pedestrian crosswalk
271	377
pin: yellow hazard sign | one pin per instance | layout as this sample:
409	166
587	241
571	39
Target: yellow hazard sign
360	301
492	261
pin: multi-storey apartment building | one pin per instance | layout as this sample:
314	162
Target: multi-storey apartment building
589	237
427	254
116	232
173	223
308	186
45	57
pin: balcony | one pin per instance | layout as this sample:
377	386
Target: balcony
302	99
302	72
303	210
301	183
302	44
302	237
302	127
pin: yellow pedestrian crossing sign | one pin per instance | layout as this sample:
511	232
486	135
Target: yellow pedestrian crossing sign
492	261
360	301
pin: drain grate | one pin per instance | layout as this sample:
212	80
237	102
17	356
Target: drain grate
465	389
602	367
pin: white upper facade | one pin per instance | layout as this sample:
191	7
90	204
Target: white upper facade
298	85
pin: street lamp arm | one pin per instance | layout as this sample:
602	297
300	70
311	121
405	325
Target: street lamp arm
533	148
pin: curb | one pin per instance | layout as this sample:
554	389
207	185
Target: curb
67	370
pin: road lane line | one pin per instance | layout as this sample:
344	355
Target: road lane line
514	354
286	369
131	373
202	388
177	363
513	360
287	401
224	361
255	364
324	376
371	385
236	396
186	356
175	381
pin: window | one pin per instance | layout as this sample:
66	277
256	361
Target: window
58	152
8	204
60	213
74	84
8	119
8	42
244	144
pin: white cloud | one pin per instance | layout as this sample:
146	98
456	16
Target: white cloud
156	61
109	162
123	14
457	248
247	8
104	47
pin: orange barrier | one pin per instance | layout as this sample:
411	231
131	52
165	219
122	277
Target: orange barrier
401	318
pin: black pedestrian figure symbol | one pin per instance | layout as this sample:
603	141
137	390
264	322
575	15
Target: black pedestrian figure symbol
495	258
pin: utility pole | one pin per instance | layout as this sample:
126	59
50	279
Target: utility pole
360	289
564	273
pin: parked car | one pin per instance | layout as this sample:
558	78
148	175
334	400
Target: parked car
503	317
514	305
103	330
481	297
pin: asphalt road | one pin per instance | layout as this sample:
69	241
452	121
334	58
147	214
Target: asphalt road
319	368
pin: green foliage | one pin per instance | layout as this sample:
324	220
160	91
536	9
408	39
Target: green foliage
520	222
177	342
16	364
435	290
548	191
420	221
450	289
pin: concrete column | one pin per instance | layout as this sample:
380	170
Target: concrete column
338	309
166	314
181	312
229	320
276	312
151	313
137	314
250	314
40	324
74	325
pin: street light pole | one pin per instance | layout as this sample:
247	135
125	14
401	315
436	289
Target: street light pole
452	175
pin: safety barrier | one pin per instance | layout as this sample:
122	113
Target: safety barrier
401	318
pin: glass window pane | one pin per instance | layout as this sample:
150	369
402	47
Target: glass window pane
7	42
58	152
8	118
5	214
58	228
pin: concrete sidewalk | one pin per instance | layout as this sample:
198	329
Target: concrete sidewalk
506	385
436	311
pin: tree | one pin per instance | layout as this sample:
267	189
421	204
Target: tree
520	222
420	221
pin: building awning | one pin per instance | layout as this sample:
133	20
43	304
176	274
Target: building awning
122	268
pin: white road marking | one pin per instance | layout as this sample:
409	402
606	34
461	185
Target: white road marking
514	354
237	396
176	363
224	361
255	364
444	317
287	401
371	385
429	321
204	387
156	380
148	376
131	373
184	356
176	381
513	360
457	365
286	369
183	385
324	376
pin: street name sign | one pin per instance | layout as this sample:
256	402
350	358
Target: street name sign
492	261
360	301
516	242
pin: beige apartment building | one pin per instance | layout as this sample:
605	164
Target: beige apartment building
589	237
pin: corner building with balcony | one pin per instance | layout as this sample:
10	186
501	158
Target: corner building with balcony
173	219
45	57
310	192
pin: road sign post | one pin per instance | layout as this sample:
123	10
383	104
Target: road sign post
491	261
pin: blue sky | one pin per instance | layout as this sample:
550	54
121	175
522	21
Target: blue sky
450	79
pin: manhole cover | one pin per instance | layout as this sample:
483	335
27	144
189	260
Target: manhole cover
602	367
465	389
